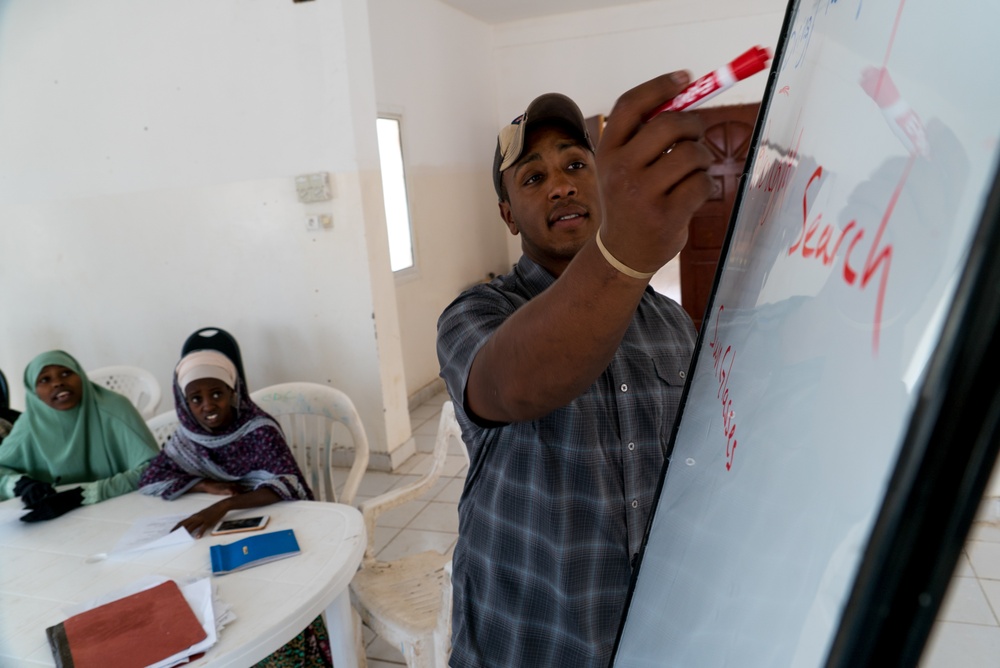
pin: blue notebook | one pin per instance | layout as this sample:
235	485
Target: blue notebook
253	551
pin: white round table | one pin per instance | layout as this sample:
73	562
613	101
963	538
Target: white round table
46	567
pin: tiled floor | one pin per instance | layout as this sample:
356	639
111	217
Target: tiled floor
967	634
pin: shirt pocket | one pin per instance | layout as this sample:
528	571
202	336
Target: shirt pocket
672	368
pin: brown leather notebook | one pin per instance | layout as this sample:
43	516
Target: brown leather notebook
130	632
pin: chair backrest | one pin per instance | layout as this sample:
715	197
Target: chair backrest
4	392
448	429
137	384
215	338
316	420
163	426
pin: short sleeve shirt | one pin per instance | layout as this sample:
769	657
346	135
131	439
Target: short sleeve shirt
554	510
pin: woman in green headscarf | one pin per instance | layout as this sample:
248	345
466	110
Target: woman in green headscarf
72	431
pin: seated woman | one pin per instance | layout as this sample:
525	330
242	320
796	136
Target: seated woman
227	445
72	431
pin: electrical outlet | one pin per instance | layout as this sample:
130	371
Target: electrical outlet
318	222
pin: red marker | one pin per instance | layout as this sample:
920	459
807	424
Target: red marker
713	83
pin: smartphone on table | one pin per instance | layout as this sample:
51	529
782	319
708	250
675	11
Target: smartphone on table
241	524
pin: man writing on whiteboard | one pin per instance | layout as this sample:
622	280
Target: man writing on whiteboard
566	376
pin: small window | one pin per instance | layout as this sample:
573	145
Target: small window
397	211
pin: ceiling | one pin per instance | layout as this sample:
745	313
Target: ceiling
506	11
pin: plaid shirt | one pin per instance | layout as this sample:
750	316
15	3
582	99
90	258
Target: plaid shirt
554	510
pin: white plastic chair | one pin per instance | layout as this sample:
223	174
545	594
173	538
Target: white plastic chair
314	419
139	385
408	601
163	426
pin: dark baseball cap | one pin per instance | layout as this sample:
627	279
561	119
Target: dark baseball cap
551	107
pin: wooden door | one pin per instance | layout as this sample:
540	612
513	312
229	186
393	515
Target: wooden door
727	133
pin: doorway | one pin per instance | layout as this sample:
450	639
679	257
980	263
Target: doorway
728	131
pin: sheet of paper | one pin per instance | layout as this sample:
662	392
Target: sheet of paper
152	532
199	596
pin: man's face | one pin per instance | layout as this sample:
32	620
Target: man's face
553	200
59	387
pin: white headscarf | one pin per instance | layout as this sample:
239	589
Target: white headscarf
205	364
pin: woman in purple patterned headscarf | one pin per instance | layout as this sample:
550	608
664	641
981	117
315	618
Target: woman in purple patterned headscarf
225	445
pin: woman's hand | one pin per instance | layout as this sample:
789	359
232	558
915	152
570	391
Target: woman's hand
32	491
204	521
218	487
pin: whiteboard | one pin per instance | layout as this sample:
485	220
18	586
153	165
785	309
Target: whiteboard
873	158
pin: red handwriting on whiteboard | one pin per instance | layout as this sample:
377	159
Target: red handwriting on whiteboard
722	364
772	176
878	260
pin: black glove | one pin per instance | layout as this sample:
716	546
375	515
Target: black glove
53	506
32	491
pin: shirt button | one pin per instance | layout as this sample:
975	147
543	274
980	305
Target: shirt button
635	504
624	387
683	375
631	446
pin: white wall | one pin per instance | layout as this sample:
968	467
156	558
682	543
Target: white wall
147	161
434	69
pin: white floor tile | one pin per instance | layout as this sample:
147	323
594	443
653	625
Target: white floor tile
438	399
456	448
424	412
985	559
384	536
419	464
988	532
380	650
401	516
436	489
965	602
425	442
374	483
403	480
954	645
455	466
376	663
963	568
992	590
411	541
429	428
452	491
436	516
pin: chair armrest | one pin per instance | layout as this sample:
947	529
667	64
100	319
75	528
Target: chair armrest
372	508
